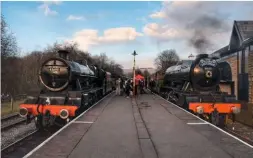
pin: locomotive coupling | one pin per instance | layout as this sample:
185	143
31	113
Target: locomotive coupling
64	114
200	110
236	110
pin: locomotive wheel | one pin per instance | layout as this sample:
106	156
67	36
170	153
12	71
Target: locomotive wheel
181	101
218	119
38	122
168	96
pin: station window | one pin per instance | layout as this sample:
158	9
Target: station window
251	47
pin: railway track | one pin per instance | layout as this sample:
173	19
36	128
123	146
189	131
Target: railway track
24	145
5	118
29	142
11	121
240	136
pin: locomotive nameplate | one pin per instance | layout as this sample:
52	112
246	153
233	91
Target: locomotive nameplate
207	62
54	69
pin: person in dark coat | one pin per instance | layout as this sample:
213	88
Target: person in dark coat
141	85
121	86
152	85
128	88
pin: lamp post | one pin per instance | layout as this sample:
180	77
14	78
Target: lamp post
134	54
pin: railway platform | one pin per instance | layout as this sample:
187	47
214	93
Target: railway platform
145	127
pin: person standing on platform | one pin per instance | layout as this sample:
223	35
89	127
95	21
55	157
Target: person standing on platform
128	88
141	86
152	85
121	86
118	87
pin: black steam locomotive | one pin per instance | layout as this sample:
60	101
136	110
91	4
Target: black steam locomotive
203	86
68	89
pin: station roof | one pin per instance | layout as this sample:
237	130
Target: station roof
242	34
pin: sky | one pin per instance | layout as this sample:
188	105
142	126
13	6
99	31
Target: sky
119	28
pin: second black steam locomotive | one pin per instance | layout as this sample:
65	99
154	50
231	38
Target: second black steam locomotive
203	86
68	89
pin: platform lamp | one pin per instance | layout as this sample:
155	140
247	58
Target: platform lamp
134	54
191	56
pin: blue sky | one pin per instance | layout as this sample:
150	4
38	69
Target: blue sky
118	28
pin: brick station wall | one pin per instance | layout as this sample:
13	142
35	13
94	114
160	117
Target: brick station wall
233	63
250	68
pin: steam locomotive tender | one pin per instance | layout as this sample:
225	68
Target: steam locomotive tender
68	89
204	86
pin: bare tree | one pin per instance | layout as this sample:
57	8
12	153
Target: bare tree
20	74
166	59
146	74
8	41
10	63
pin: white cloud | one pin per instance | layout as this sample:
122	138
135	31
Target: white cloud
46	7
158	15
73	17
56	2
89	37
164	32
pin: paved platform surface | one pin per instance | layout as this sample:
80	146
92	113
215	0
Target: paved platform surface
146	127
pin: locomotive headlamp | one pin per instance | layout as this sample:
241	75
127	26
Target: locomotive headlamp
200	110
64	114
196	70
236	110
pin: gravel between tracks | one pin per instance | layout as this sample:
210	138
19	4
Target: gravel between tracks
5	122
243	130
13	134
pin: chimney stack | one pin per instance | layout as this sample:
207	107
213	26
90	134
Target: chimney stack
63	54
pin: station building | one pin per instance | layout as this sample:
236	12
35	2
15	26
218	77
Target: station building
239	54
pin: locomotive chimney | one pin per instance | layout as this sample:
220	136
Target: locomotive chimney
63	54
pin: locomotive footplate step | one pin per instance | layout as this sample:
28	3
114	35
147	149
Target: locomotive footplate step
147	126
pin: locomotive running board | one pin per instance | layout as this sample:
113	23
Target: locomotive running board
210	107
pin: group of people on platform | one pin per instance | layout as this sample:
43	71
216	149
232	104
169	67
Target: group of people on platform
127	87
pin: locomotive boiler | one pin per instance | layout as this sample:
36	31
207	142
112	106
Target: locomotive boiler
68	88
56	74
196	86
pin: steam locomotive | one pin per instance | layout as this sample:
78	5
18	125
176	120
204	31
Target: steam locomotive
68	88
203	86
